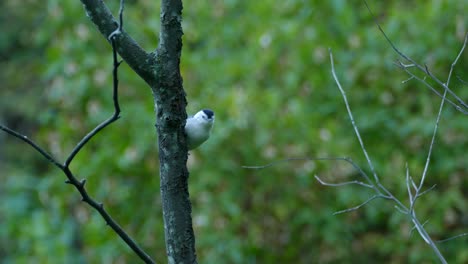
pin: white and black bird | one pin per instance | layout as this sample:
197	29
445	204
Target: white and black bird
198	128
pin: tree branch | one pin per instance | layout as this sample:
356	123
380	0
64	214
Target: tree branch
353	123
134	55
160	69
80	184
379	188
32	144
463	106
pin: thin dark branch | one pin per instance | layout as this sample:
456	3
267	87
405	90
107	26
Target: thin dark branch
85	197
121	9
80	185
115	116
115	97
115	94
32	144
91	134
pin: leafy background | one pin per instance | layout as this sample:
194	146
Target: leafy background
263	66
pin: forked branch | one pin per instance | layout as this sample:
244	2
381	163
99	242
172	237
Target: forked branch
461	105
80	184
382	189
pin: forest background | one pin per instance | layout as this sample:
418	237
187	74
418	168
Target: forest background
263	67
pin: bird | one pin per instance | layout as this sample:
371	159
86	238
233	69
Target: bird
198	128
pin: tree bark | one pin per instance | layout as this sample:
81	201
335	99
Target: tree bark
160	69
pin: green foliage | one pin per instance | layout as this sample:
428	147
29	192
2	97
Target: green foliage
263	67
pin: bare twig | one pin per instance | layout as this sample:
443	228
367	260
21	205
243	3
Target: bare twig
408	185
353	123
428	159
461	80
456	60
426	191
414	190
346	159
460	106
379	188
400	65
401	210
463	107
280	161
439	114
342	183
32	144
407	80
359	206
452	238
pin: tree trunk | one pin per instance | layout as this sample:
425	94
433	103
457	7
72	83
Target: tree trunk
160	69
